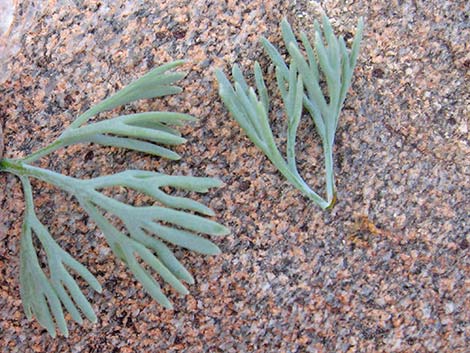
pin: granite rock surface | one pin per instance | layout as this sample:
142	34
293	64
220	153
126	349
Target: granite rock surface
387	270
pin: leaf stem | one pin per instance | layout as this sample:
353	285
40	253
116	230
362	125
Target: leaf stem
296	180
330	174
28	195
22	169
45	151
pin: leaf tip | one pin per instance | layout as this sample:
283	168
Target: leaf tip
208	212
223	230
190	280
216	251
52	332
94	320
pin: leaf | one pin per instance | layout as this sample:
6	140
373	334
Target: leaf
156	83
168	223
261	87
44	297
177	220
300	86
133	144
161	259
171	222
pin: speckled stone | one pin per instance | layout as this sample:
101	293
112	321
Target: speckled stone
387	270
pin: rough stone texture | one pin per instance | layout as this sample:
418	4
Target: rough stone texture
387	270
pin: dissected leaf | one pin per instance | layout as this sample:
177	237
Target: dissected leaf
176	220
300	86
44	297
156	83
